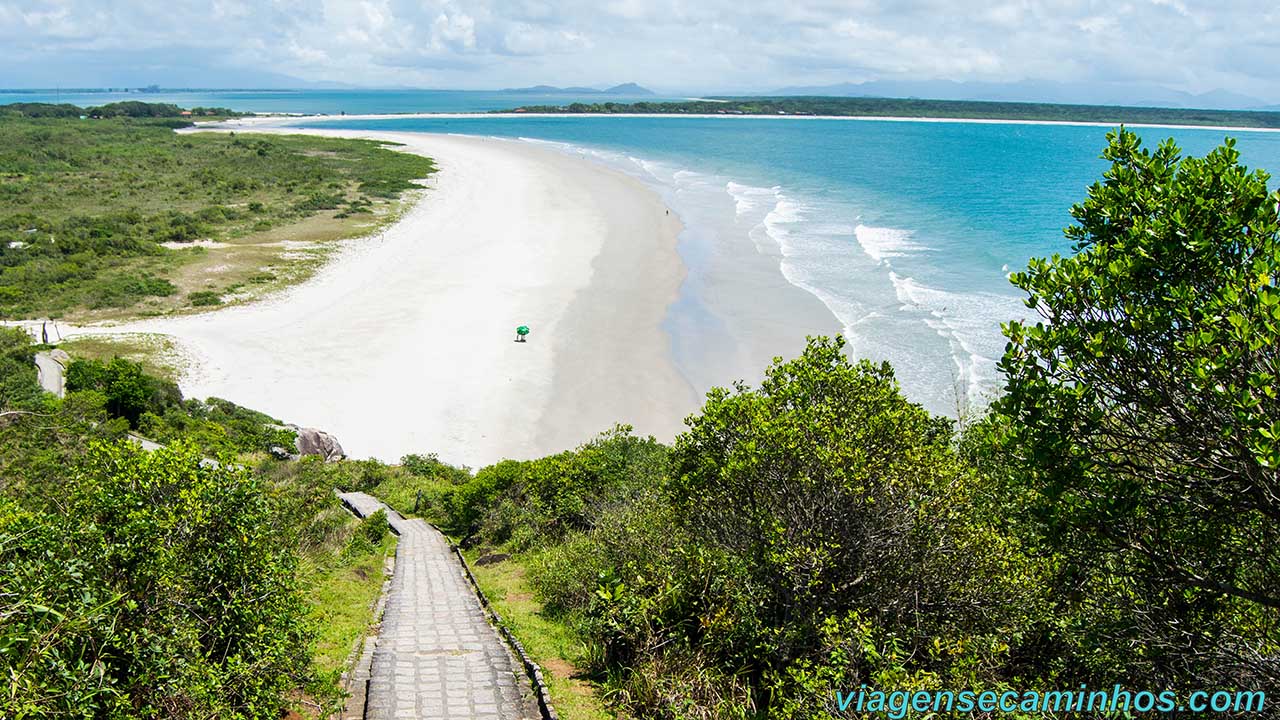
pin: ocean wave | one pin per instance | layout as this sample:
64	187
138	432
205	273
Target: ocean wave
881	243
966	320
848	266
750	197
782	220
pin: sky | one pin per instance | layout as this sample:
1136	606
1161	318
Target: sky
700	46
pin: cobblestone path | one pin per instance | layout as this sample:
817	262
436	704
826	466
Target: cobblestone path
437	656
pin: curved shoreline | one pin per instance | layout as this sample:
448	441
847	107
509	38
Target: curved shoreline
284	120
404	342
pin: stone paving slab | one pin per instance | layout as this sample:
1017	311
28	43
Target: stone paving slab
437	655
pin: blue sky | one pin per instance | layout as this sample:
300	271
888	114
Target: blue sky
672	45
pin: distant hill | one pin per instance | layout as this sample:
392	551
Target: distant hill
630	89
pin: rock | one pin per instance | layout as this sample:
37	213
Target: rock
280	453
492	558
61	356
318	442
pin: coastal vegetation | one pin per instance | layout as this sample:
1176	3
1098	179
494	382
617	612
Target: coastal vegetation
1111	519
103	217
917	108
139	584
127	108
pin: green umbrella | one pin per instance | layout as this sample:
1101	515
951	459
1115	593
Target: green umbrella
522	330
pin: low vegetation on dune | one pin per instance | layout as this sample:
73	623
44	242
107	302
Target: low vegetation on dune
920	108
1111	519
100	216
126	108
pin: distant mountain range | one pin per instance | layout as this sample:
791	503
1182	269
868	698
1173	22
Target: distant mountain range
629	89
1133	95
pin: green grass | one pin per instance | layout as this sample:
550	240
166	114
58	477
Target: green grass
343	598
400	490
101	218
551	644
157	353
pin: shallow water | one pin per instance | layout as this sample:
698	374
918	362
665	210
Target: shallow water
906	231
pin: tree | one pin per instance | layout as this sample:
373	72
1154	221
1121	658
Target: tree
1142	414
826	493
129	391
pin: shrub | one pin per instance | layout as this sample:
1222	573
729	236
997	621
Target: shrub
204	298
129	391
375	527
159	590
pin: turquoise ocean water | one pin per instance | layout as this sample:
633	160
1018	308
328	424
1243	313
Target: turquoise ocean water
906	231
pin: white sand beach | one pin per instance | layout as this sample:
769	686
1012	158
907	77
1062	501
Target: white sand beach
264	121
404	343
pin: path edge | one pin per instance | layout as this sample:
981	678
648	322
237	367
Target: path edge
531	668
356	678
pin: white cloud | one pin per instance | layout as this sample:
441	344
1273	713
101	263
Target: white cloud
705	45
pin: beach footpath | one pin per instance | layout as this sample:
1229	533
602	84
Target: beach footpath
437	656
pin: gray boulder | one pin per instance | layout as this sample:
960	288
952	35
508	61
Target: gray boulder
318	442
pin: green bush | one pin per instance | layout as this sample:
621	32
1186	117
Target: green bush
204	298
129	391
18	376
375	527
159	589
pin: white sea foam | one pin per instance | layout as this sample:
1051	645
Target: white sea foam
781	223
750	197
881	243
969	321
850	268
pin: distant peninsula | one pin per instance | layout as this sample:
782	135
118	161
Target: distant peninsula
627	89
916	108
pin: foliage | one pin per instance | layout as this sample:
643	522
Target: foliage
18	385
914	107
128	109
744	573
167	518
541	501
204	298
128	390
158	591
156	409
1142	415
86	206
42	110
375	527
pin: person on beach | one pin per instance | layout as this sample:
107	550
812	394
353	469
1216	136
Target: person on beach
521	332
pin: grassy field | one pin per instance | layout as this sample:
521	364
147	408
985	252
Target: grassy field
157	353
343	596
550	643
102	219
